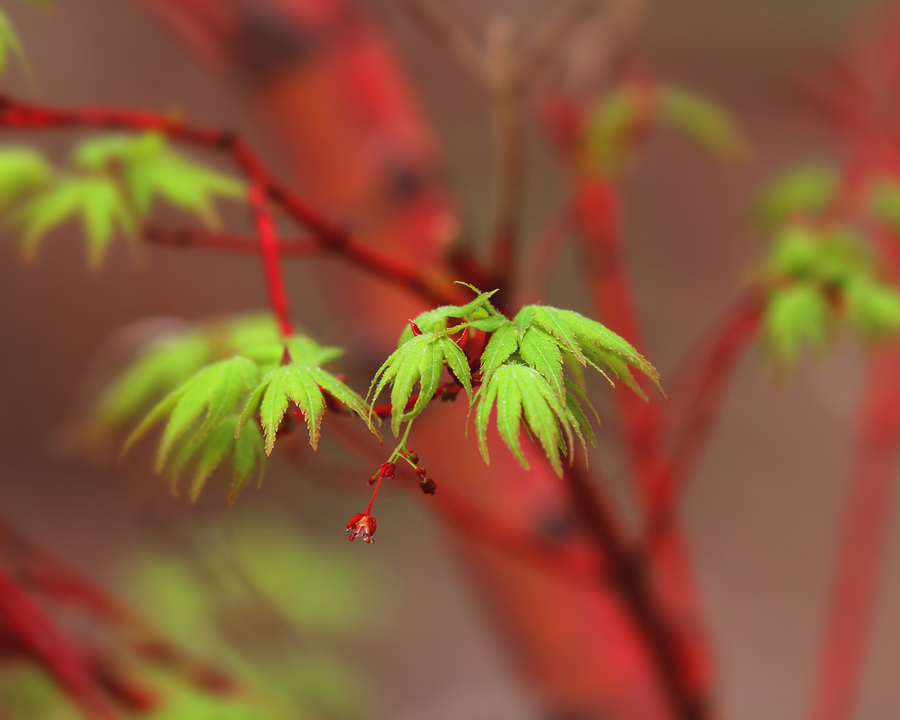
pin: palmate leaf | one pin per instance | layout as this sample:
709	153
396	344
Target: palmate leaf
794	315
167	362
97	200
302	385
873	307
23	171
521	392
152	170
804	191
421	360
246	452
586	340
201	403
522	374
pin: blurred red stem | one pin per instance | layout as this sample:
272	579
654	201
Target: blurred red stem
866	516
693	425
39	638
268	243
631	576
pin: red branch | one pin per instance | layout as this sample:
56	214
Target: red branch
268	243
28	629
20	115
866	516
693	424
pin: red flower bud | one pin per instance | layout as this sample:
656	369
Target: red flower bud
373	478
420	471
412	455
388	470
428	485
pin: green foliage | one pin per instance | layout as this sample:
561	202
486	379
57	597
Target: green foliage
215	378
624	115
301	384
817	277
522	371
701	121
884	203
794	315
421	360
152	170
479	313
521	392
613	123
295	599
205	398
111	184
802	192
23	170
96	200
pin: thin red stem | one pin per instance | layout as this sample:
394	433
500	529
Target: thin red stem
268	243
866	517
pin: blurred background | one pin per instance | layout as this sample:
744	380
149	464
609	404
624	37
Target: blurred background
396	628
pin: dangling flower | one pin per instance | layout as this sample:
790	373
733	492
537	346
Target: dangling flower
362	525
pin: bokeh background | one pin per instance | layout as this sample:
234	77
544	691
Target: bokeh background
761	514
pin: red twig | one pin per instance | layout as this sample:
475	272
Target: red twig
861	550
268	243
691	427
20	115
32	633
194	238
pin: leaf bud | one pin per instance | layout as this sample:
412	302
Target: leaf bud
414	328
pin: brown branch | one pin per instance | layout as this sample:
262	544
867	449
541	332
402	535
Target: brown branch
451	36
551	34
20	115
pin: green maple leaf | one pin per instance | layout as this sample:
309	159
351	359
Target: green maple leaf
97	200
200	404
420	359
23	171
152	170
521	392
803	191
302	385
246	451
873	307
161	367
587	341
794	315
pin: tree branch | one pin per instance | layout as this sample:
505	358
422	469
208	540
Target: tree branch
20	115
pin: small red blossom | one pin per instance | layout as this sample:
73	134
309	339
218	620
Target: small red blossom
412	455
362	525
388	470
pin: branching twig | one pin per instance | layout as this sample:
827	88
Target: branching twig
20	115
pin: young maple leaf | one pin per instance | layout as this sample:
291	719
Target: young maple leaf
301	384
